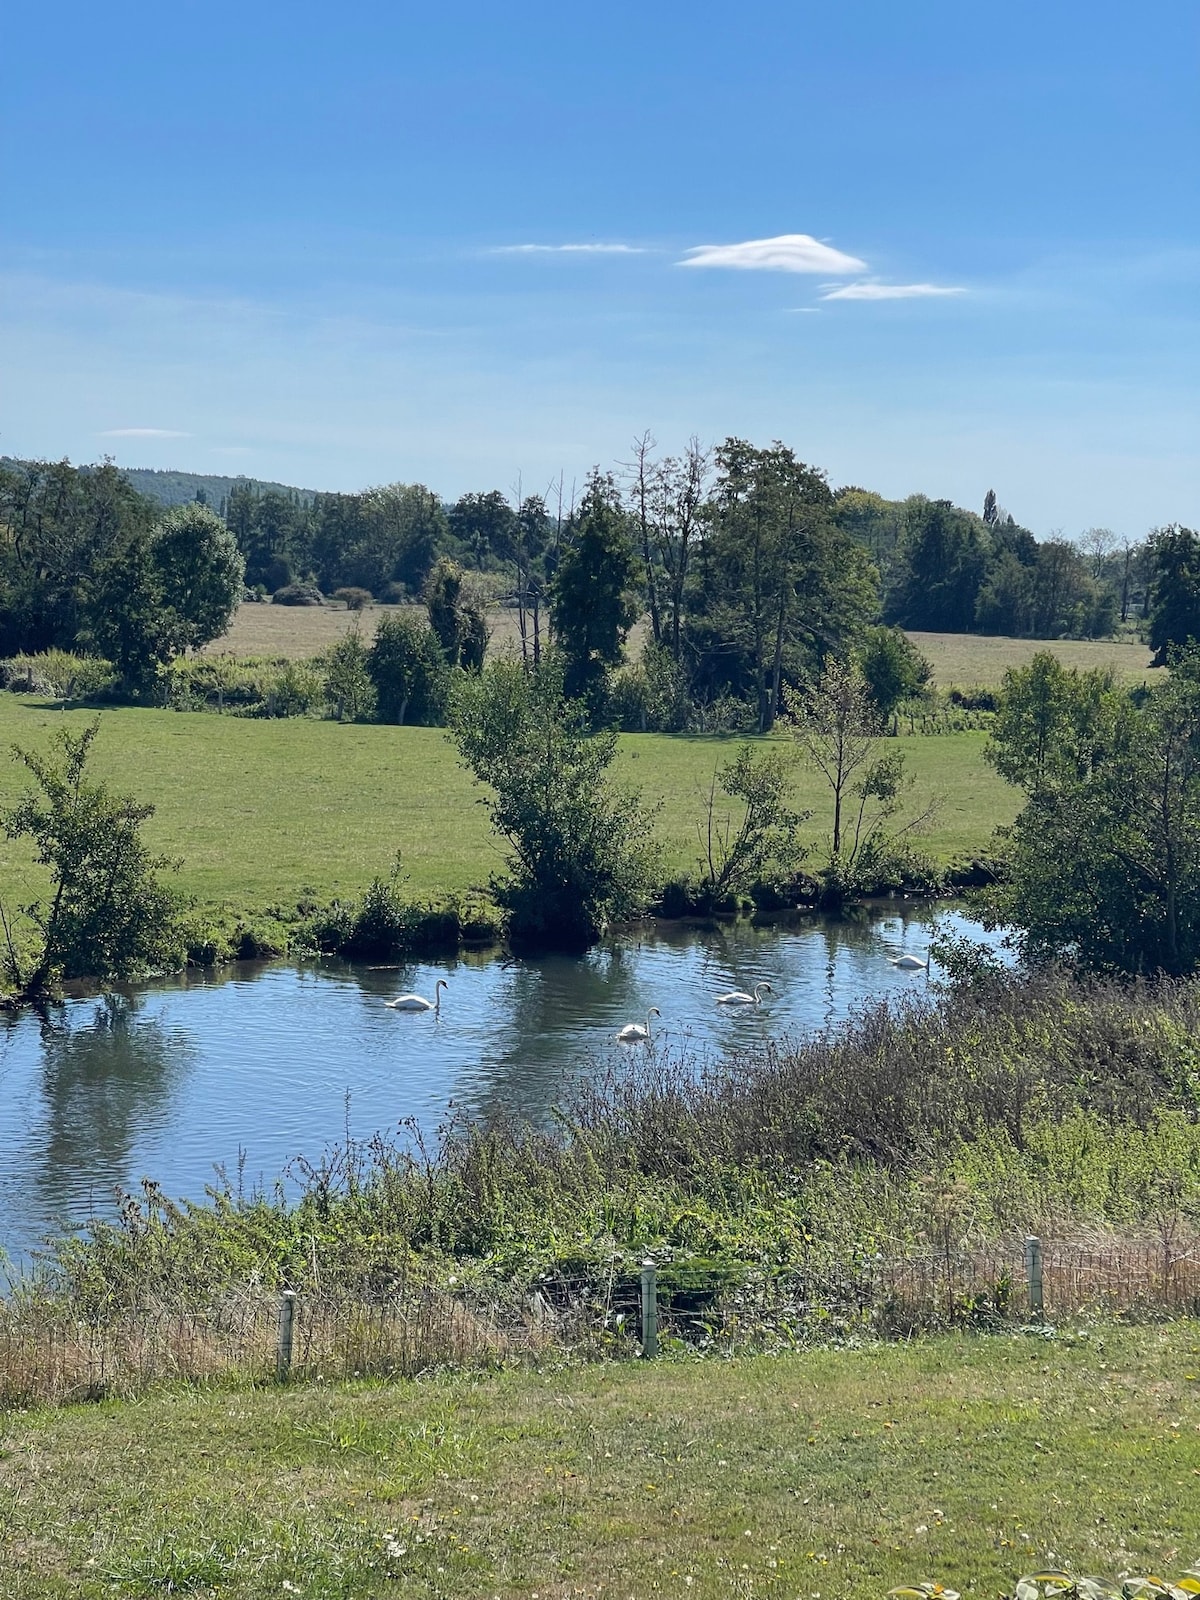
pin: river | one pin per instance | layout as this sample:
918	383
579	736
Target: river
243	1069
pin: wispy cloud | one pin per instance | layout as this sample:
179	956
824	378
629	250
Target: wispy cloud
787	252
569	250
143	433
891	291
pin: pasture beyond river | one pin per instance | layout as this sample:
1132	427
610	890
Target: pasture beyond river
244	1069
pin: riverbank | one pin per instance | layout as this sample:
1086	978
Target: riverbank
879	1176
968	1460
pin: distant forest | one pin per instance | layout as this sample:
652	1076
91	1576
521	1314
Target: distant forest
180	488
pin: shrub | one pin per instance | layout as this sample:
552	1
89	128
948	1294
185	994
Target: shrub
298	594
348	686
352	598
59	673
581	849
408	671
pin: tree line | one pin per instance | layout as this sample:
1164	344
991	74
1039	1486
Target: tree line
750	570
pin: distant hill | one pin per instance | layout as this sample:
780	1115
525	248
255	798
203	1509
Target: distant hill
180	488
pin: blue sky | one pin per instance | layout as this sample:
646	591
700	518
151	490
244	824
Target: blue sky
936	247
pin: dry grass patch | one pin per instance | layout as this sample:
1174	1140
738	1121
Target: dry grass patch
973	661
296	632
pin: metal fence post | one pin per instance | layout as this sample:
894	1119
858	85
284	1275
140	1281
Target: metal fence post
649	1310
1033	1274
287	1319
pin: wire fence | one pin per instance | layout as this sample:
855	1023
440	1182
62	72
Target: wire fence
48	1356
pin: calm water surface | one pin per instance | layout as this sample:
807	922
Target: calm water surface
254	1065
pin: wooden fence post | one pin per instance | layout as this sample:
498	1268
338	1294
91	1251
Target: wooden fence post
1033	1274
649	1310
287	1319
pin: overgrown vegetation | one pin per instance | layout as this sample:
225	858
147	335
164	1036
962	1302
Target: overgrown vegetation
1104	859
749	570
1009	1106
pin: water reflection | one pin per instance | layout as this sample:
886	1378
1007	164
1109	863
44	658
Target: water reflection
106	1074
268	1062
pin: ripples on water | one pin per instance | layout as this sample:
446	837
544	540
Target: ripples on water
254	1065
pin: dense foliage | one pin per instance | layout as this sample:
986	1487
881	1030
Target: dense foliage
749	570
1104	859
83	561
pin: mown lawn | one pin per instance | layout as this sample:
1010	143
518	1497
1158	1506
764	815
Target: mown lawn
259	810
832	1474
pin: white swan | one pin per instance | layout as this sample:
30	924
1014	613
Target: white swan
908	963
418	1002
739	997
636	1032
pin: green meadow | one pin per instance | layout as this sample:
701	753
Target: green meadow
259	811
828	1475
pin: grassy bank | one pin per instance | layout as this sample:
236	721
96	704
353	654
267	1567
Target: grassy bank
259	810
836	1473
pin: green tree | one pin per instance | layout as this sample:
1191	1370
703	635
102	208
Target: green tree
348	685
408	671
581	852
1052	721
458	625
1003	603
372	540
126	618
592	599
106	913
1104	858
152	595
870	520
781	587
57	524
200	574
892	667
941	566
1174	593
483	525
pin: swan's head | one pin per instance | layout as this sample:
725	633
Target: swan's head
441	984
654	1012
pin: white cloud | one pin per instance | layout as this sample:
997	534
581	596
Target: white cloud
143	433
568	250
787	252
890	291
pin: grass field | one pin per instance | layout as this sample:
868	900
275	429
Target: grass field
968	661
259	810
831	1474
298	631
960	660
